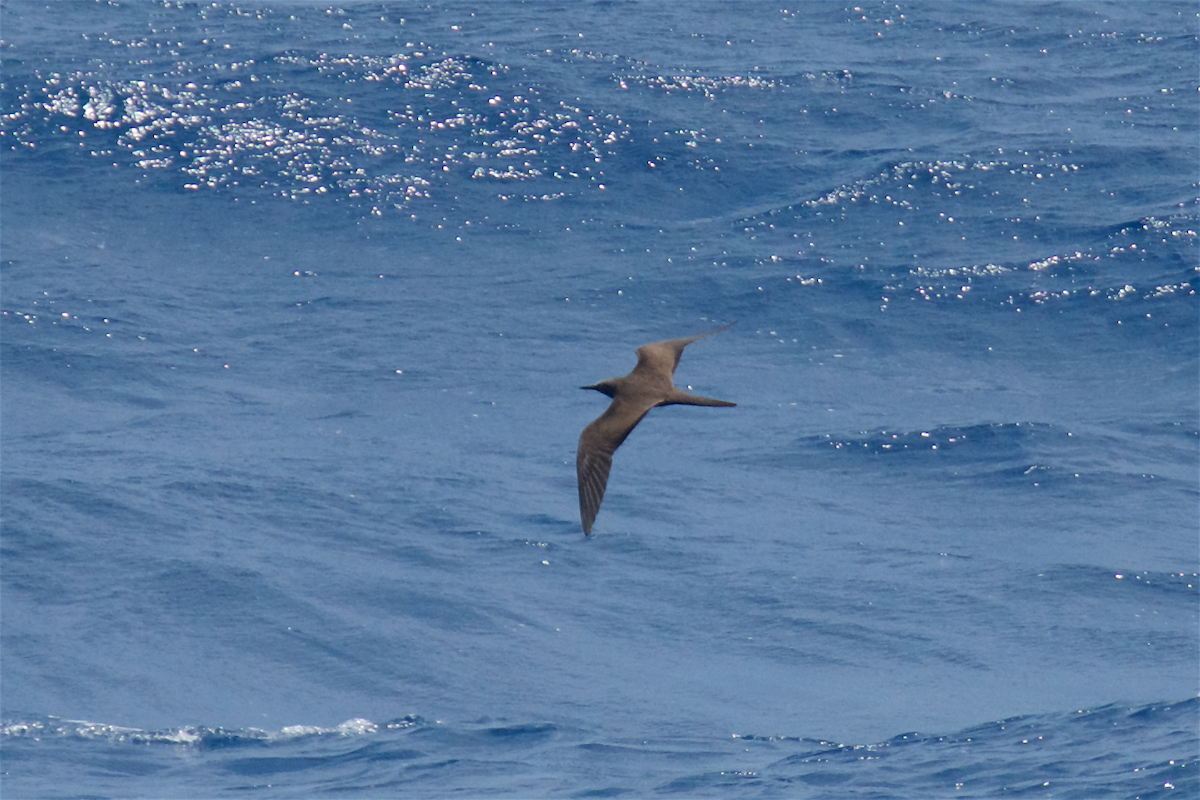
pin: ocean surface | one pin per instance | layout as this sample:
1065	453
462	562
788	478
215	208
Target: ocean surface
296	300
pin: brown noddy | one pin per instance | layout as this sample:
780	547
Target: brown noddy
651	384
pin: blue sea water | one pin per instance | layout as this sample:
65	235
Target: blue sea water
296	299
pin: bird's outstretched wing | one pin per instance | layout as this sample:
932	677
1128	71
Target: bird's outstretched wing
659	358
592	465
593	459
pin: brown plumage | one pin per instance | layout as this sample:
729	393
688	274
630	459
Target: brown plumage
650	384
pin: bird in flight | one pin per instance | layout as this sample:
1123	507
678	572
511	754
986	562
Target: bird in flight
651	384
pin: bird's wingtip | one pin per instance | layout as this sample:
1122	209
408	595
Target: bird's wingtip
724	327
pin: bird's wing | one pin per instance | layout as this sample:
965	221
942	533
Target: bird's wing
661	358
682	398
592	465
593	460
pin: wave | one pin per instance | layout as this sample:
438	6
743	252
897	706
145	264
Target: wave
198	736
999	452
1063	753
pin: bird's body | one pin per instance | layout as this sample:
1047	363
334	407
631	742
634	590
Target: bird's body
650	384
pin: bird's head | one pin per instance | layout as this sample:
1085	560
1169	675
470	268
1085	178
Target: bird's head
603	387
